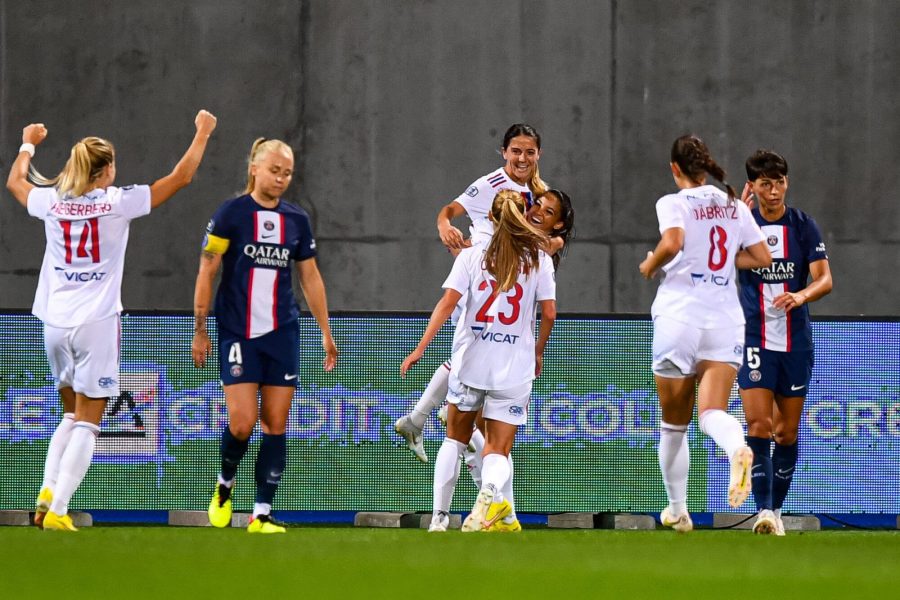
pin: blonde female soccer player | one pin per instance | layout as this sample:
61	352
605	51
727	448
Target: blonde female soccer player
698	324
86	222
254	239
495	355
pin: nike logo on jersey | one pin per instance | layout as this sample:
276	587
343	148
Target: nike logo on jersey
290	377
794	388
266	237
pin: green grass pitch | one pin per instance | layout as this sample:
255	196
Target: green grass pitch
168	563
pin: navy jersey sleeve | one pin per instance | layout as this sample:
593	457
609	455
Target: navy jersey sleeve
306	243
219	230
813	245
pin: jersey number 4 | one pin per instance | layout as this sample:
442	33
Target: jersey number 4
90	232
513	298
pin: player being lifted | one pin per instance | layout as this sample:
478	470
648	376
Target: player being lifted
255	238
495	357
778	347
78	298
698	325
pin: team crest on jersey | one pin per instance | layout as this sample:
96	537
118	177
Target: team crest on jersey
269	225
755	375
772	240
210	226
237	370
472	192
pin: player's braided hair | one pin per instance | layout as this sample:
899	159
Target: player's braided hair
515	244
86	162
692	156
261	147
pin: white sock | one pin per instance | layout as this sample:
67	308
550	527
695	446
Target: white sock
495	473
55	450
473	458
725	430
73	465
507	491
777	512
261	508
446	474
435	393
674	462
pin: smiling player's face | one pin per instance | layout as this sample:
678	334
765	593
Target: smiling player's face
521	156
545	214
272	175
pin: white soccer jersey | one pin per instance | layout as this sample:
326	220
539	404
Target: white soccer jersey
698	285
478	198
493	345
81	276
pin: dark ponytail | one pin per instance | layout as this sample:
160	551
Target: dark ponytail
692	156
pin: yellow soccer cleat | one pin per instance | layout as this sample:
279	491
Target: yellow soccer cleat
54	522
495	514
502	526
42	505
219	511
265	524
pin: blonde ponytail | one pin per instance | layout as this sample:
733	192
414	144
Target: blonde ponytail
516	244
537	185
259	149
87	160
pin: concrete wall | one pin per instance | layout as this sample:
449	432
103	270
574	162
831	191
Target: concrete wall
395	107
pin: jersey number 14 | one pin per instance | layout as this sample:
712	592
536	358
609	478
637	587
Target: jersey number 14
90	234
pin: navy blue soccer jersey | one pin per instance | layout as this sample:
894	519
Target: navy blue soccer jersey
257	245
794	241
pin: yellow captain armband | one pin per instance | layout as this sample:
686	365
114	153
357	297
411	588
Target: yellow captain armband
214	244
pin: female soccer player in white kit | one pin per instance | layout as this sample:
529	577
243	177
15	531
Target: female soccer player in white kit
86	222
698	323
495	356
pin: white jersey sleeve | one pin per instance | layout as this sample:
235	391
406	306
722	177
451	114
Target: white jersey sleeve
750	231
546	279
670	213
459	278
133	200
39	202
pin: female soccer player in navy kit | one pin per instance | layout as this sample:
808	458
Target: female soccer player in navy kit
256	237
778	348
698	326
495	356
86	222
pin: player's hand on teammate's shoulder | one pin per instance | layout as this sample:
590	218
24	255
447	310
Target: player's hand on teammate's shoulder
205	122
452	238
34	133
747	196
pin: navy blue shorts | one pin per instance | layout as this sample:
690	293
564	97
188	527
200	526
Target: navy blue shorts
785	373
270	359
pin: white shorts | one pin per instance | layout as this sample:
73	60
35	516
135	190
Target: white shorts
509	406
85	358
678	347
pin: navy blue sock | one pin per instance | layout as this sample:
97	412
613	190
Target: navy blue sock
784	460
270	463
761	474
232	450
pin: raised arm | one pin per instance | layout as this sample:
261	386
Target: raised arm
17	182
450	235
203	293
439	316
314	292
163	189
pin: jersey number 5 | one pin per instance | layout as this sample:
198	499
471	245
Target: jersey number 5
513	298
90	231
718	253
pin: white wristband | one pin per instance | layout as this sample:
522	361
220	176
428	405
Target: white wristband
27	147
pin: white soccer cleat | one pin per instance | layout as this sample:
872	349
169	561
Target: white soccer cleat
413	437
439	523
779	527
766	523
739	483
475	520
681	524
